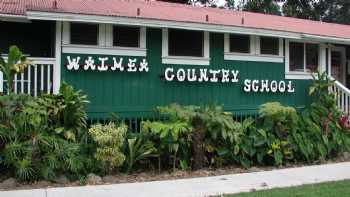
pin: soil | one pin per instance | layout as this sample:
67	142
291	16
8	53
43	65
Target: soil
165	175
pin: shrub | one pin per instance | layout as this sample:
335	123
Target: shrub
320	135
204	135
173	137
31	148
66	112
278	122
138	147
109	139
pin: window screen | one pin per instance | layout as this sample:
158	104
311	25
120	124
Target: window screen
240	43
269	46
185	43
311	57
296	56
124	36
83	33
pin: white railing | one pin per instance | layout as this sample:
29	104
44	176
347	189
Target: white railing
35	80
342	97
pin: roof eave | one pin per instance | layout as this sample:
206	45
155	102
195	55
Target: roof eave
13	18
333	40
40	15
139	21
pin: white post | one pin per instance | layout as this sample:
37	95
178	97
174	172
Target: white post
35	80
22	82
57	67
48	79
1	82
42	78
29	81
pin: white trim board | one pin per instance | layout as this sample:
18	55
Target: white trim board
14	18
183	60
253	58
82	49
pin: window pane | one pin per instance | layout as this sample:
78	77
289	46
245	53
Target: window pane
185	43
83	33
124	36
296	56
269	46
240	43
311	57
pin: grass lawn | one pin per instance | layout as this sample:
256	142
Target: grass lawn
332	189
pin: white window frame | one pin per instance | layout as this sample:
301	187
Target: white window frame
255	54
303	74
105	43
185	60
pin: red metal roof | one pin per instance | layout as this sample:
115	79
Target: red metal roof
176	12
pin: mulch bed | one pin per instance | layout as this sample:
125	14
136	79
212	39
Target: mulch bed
165	175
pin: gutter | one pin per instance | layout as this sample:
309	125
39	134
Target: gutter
334	40
14	18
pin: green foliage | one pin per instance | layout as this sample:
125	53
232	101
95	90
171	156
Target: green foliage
66	112
262	6
278	122
335	11
109	139
320	135
16	63
173	136
139	147
278	119
31	148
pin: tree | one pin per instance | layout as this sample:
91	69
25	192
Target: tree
335	11
305	9
262	6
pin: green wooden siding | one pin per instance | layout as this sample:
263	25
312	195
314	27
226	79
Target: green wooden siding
137	94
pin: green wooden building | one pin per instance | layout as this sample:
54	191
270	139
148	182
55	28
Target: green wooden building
130	56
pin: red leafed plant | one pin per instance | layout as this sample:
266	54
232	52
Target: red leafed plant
344	122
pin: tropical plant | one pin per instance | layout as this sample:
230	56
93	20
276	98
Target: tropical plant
173	137
109	139
67	113
30	149
16	63
321	135
139	147
278	119
278	122
208	133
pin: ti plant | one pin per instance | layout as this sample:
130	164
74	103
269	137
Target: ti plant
15	63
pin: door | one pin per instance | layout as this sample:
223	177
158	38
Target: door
338	64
